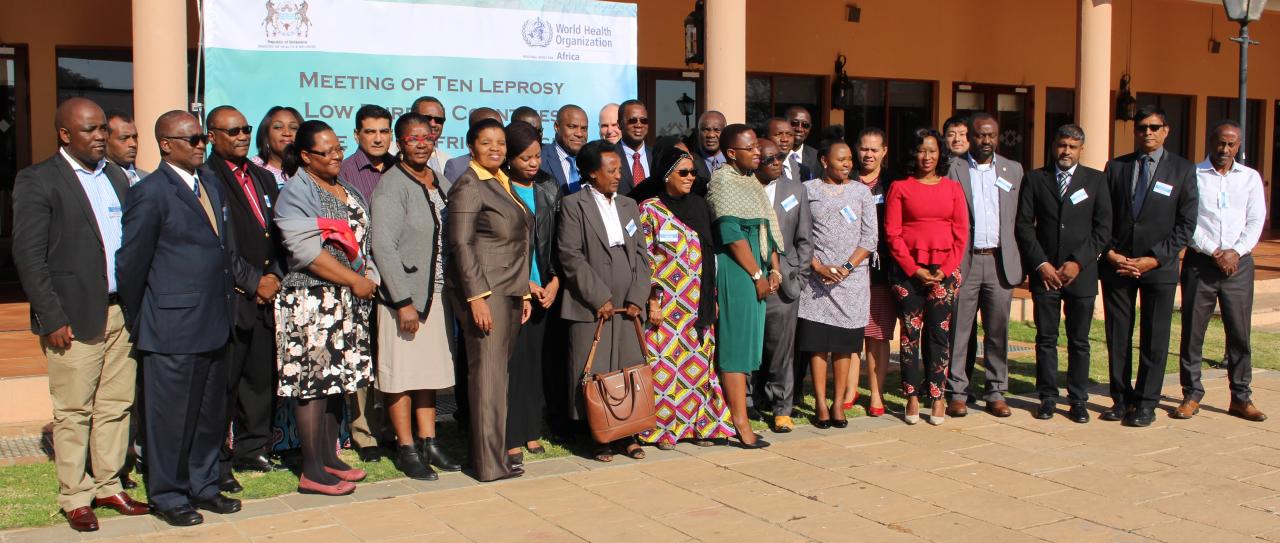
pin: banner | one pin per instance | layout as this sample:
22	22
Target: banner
326	58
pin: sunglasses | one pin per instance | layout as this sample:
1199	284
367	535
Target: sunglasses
766	161
341	151
638	120
435	119
801	124
1149	127
416	140
687	172
234	131
193	140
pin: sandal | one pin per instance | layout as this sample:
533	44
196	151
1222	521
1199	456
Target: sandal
665	446
704	442
635	451
603	454
536	449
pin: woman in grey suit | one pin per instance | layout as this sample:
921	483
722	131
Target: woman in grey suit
602	253
487	278
415	351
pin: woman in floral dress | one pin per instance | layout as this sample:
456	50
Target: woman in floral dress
681	334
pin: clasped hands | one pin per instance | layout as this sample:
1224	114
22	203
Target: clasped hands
1057	278
1132	267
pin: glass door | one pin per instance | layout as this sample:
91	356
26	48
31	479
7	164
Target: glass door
15	142
665	93
1012	108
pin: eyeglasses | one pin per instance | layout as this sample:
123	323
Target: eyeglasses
234	131
638	120
687	172
192	140
1149	127
340	150
773	158
435	119
416	140
802	124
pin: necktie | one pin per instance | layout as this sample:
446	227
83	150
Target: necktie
1140	188
246	184
133	176
637	170
794	162
1064	179
207	205
575	179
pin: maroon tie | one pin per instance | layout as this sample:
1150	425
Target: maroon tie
637	170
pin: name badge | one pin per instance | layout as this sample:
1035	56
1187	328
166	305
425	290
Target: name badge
267	200
790	203
225	218
879	199
668	236
1079	196
849	215
1163	189
115	212
1222	200
631	228
1004	185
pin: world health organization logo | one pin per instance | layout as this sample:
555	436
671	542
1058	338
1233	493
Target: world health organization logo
537	32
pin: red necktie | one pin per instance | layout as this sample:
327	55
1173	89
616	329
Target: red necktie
637	170
247	184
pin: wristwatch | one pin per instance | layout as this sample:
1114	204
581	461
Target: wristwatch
847	266
758	275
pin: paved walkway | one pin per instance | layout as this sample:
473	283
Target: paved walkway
1212	479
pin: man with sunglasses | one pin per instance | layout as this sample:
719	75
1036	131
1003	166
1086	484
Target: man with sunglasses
175	280
802	124
707	154
431	108
636	161
256	257
1154	201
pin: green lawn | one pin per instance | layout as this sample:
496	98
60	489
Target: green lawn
29	492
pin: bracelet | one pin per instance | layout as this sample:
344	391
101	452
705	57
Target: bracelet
775	272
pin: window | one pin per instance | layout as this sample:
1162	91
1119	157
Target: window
105	76
1012	108
1218	109
897	107
1059	109
772	95
662	91
15	139
1177	109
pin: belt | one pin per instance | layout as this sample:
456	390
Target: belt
990	251
113	299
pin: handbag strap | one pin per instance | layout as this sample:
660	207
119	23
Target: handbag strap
595	343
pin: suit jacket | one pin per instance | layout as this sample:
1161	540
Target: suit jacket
1165	224
703	179
628	182
546	199
1010	257
1055	229
797	231
456	166
809	159
584	248
551	165
173	271
801	176
487	232
257	250
57	248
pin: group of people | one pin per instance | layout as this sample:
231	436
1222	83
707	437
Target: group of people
231	302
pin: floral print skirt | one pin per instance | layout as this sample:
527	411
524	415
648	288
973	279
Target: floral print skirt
322	342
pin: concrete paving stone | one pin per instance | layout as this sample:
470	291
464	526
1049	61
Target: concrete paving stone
1184	531
1227	427
769	502
447	481
382	490
1219	512
1262	454
944	439
1269	480
386	518
725	524
1095	508
120	539
876	503
287	522
791	475
903	479
639	496
916	456
1017	459
1269	504
259	508
1198	483
298	502
328	534
617	525
52	534
477	521
121	526
219	533
431	500
1234	468
696	476
590	478
1082	531
1102	482
439	537
857	439
842	527
957	528
728	456
821	453
544	468
996	508
1019	438
1000	480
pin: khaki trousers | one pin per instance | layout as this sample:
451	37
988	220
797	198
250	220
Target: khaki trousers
92	386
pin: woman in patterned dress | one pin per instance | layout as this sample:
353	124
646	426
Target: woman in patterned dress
322	312
681	310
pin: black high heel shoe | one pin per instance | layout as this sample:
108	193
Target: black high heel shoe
838	423
760	443
818	423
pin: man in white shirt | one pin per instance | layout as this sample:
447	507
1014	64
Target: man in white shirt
1218	270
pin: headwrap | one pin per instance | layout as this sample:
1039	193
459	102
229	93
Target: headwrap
732	194
693	211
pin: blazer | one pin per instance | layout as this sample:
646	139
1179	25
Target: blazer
584	248
57	248
551	165
703	179
404	243
1056	229
809	159
628	182
1010	257
487	233
1165	224
172	270
456	166
257	250
797	236
546	199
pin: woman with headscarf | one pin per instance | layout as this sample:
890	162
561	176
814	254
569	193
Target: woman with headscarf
747	269
681	310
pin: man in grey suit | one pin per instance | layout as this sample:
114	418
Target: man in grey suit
991	268
801	123
781	133
774	384
122	145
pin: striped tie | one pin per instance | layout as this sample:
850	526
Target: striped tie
1064	179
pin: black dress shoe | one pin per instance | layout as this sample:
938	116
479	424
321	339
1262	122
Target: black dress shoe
1078	414
219	504
1139	418
754	414
182	515
127	483
1116	413
759	443
258	463
228	483
432	454
1046	410
369	454
409	462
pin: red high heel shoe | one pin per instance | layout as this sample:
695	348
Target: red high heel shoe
875	411
353	475
849	405
307	486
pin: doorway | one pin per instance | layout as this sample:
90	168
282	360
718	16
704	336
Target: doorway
1012	107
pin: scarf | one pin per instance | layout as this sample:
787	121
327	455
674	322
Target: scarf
732	194
692	210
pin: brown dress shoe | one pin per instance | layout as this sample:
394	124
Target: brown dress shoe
1188	409
1246	411
123	504
957	408
82	519
999	408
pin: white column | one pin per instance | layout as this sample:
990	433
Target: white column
159	69
726	28
1093	88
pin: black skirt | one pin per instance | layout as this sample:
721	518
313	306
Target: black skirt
816	337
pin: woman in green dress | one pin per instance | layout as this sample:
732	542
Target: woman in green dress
747	263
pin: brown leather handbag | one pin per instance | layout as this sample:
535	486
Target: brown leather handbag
620	403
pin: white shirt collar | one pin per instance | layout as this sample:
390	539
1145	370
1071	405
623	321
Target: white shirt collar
187	178
1207	166
1070	171
75	164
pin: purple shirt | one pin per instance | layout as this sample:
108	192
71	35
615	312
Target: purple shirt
359	171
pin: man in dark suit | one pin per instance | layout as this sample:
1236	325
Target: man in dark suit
558	159
803	153
637	161
66	228
707	156
176	288
1064	223
122	145
773	385
991	268
1153	207
256	266
782	133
